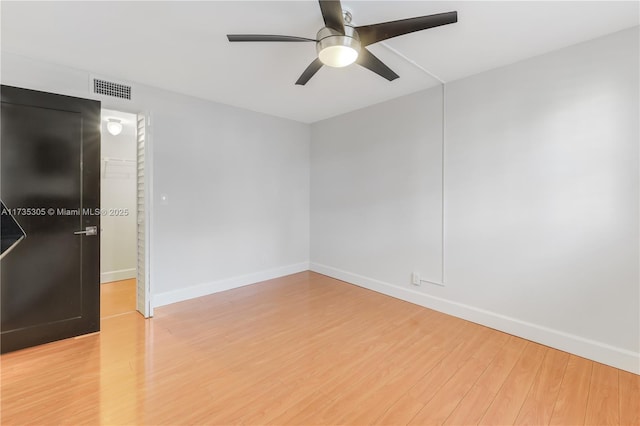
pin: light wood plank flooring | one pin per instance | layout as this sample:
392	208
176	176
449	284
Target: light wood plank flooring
307	349
117	297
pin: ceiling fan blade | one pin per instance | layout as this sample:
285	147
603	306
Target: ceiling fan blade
370	62
265	37
370	34
309	72
332	14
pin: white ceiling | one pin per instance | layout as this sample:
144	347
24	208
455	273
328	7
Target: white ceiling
181	46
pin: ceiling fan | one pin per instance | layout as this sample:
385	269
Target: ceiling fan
339	43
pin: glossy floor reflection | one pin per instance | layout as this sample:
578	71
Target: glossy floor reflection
307	349
117	297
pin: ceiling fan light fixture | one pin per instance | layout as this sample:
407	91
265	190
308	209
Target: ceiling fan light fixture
338	56
337	50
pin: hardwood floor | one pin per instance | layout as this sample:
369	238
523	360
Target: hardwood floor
117	297
307	349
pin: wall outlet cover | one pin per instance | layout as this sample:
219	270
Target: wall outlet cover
415	278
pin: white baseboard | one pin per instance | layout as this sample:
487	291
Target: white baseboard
586	348
122	274
204	289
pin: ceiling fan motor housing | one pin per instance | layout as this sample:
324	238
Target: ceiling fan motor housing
329	39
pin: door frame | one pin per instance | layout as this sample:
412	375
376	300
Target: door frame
148	211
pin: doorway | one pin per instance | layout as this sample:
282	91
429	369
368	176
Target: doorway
118	254
123	249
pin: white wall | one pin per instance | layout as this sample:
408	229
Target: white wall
541	199
118	254
542	181
237	184
376	189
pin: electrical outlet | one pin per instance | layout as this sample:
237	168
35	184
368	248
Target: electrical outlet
415	279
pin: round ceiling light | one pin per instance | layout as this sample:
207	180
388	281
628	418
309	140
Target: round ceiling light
338	56
114	126
337	50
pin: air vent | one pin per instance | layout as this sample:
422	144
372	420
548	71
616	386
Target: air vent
109	88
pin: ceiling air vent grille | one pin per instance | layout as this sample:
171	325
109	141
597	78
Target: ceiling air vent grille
109	88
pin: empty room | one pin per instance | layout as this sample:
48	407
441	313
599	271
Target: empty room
320	212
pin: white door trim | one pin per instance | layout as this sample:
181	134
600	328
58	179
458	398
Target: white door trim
143	215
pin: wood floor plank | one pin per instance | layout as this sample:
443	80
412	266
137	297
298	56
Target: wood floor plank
475	403
602	405
333	372
307	374
117	297
538	405
438	409
571	404
629	400
506	405
401	412
374	379
430	384
371	400
374	401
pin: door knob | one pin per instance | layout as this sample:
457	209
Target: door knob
89	230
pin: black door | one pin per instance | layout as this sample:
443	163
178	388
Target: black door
50	191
